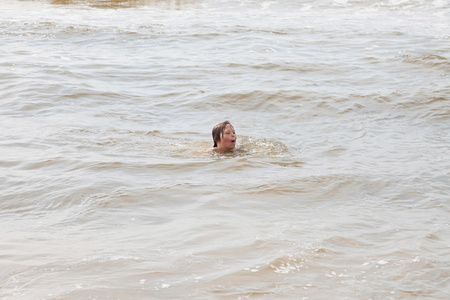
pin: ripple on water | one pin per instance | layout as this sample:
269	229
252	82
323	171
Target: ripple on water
338	186
427	60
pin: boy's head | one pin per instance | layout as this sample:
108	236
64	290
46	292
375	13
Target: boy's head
224	136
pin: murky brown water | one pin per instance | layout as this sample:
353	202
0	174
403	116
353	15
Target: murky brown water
339	188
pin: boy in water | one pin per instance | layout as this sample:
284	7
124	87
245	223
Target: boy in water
224	137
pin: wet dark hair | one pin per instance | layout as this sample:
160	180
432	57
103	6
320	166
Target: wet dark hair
218	131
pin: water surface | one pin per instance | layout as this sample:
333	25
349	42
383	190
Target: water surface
339	186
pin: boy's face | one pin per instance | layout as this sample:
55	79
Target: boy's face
227	139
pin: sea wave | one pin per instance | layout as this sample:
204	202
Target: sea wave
303	5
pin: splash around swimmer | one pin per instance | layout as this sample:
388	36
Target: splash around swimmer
224	137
